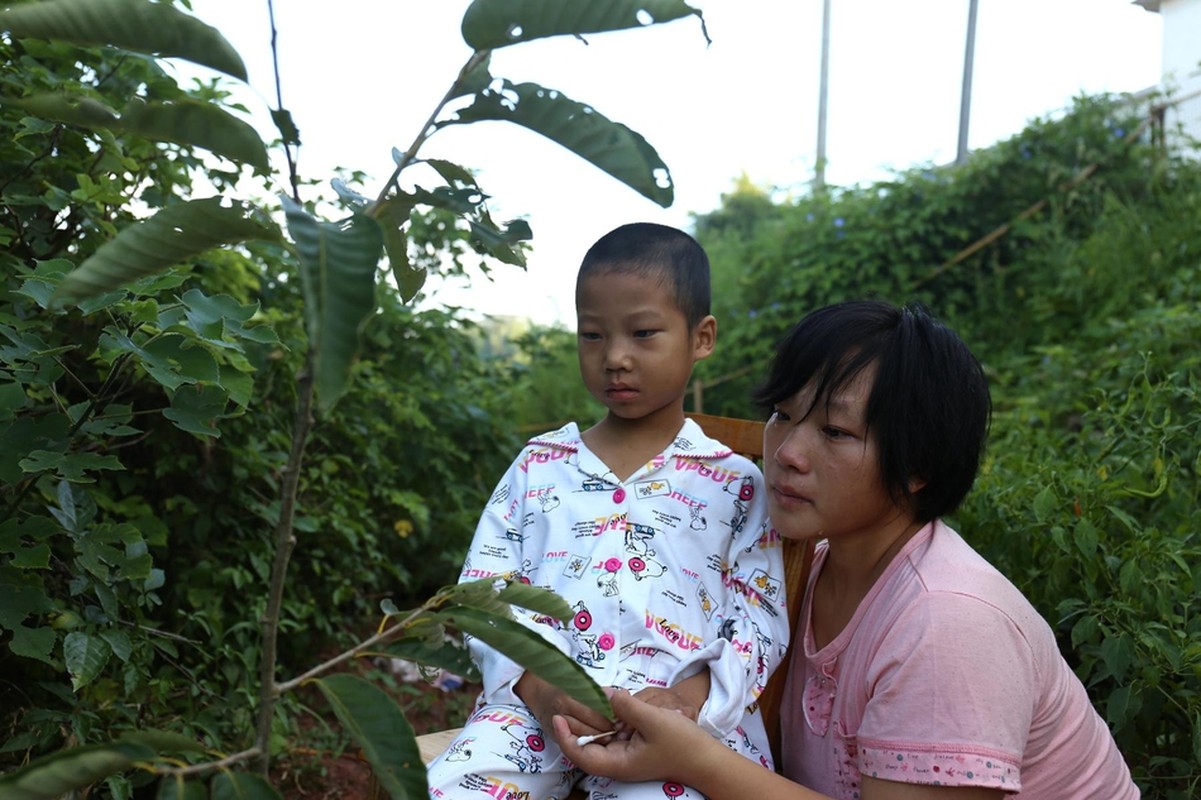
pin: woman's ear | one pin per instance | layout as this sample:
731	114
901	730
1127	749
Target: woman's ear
704	337
916	485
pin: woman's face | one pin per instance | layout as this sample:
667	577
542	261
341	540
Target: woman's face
822	466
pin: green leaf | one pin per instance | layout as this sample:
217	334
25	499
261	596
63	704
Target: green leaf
379	727
191	122
73	109
533	653
53	776
449	657
73	467
289	133
177	232
242	786
163	741
337	268
393	215
119	642
195	409
1044	503
139	25
489	24
84	656
607	145
537	599
176	788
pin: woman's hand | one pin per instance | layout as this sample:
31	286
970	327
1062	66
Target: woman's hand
666	744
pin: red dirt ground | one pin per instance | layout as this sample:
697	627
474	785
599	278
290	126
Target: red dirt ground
316	775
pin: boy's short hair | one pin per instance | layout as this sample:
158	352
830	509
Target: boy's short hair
928	408
658	252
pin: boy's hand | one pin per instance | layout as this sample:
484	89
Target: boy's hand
687	697
668	699
546	700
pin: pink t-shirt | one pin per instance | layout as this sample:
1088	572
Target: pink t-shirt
945	675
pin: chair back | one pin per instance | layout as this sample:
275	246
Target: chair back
745	437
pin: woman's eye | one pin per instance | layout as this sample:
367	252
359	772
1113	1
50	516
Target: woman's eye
778	415
834	433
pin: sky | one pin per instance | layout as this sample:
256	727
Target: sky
361	77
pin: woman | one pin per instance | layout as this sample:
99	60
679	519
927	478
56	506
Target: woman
919	671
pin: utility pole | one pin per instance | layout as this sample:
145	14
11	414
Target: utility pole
819	175
965	100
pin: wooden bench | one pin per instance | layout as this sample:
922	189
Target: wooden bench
745	437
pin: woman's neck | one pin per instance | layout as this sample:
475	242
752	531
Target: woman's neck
852	566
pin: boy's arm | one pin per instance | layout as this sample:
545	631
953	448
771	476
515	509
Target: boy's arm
750	627
497	551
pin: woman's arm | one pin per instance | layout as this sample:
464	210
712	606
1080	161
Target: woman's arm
668	746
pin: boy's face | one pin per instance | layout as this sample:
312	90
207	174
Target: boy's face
636	350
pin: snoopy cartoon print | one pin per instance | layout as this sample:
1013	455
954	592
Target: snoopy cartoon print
527	745
643	568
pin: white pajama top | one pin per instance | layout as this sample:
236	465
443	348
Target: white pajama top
673	570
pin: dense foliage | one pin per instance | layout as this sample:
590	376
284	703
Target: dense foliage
179	424
1084	306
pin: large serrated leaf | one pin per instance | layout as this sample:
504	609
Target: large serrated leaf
177	232
140	25
532	652
191	122
337	268
84	656
607	145
489	24
55	775
242	786
379	727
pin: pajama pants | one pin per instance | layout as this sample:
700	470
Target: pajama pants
503	754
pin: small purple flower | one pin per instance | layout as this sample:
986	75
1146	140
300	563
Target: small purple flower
1119	132
809	217
839	222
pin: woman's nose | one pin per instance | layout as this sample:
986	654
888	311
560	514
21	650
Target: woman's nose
791	451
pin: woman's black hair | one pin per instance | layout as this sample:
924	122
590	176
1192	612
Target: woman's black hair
929	405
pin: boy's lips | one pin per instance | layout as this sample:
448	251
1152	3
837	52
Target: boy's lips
620	390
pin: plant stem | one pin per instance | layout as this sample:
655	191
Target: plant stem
366	644
210	766
285	541
427	130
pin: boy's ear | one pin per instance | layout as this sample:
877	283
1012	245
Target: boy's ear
704	337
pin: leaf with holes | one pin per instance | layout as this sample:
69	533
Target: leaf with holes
178	232
607	145
191	122
139	25
489	24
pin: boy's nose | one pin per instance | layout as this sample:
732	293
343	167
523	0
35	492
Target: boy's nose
617	358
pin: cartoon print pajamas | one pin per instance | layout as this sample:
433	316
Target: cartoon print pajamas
672	571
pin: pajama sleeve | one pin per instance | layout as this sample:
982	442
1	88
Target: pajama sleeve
497	551
750	631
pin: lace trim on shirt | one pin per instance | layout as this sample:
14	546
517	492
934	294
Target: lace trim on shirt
939	769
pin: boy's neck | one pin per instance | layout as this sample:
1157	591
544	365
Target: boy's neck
625	445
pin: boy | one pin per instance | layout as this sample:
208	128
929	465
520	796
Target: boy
655	534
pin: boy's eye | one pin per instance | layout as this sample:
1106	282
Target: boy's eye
646	333
589	336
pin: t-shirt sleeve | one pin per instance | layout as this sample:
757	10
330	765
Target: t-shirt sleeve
954	691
